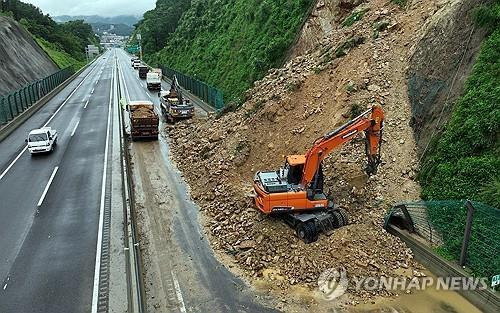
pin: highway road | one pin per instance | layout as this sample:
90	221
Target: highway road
54	207
51	205
182	272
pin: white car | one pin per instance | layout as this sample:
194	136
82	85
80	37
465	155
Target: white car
42	140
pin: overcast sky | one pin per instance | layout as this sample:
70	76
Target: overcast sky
93	7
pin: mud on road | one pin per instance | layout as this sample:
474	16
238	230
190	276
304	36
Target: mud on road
180	271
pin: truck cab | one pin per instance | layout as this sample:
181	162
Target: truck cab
153	80
136	63
42	140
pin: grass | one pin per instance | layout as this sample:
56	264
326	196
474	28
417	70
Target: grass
61	58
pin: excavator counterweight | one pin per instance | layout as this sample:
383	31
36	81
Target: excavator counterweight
295	191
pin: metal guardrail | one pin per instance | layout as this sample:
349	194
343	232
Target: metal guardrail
207	93
466	232
13	104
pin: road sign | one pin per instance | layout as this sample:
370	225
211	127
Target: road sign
495	281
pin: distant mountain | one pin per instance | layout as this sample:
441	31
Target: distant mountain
129	20
117	29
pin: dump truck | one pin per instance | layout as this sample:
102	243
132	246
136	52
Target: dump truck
295	191
143	71
153	79
173	105
143	120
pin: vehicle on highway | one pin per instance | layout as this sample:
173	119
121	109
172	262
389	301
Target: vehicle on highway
153	79
42	140
173	105
143	120
132	60
136	63
143	71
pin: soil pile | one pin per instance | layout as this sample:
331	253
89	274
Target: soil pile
353	68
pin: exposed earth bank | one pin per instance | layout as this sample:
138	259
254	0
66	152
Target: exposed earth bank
335	73
21	58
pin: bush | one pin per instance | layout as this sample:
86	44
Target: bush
464	162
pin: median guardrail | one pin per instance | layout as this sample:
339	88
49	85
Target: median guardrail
13	104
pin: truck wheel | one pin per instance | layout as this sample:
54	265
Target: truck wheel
313	230
302	231
338	221
345	216
306	232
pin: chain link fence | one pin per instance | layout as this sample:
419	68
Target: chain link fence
464	232
207	93
13	104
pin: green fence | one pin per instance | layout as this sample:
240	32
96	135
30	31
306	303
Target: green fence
465	232
16	102
207	93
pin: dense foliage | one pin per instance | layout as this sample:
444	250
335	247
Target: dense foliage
464	162
69	38
232	43
160	22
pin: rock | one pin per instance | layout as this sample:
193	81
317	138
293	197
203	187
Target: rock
247	244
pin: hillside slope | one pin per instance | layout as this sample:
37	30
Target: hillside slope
21	58
232	43
348	69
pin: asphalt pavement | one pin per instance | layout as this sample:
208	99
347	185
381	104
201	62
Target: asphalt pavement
50	204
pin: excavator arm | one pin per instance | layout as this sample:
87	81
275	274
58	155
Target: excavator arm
371	122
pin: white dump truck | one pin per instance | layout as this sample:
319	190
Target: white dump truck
153	79
42	140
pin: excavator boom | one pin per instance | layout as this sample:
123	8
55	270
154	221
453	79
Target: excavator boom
295	191
372	126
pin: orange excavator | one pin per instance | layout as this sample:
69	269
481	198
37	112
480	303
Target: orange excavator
295	191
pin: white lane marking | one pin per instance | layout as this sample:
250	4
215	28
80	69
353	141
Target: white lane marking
97	269
74	129
47	187
70	95
149	95
86	103
12	163
178	293
50	119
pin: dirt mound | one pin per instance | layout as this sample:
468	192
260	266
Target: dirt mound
354	68
21	59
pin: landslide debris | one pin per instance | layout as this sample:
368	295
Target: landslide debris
351	70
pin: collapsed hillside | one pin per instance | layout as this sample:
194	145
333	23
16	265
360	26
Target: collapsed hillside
21	59
352	68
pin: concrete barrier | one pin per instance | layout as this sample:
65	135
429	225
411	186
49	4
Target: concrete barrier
8	128
486	300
